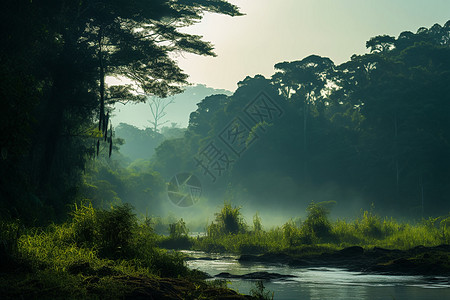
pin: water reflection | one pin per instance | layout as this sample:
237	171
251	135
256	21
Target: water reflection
324	283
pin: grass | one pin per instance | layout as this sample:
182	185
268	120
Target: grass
320	233
109	254
103	254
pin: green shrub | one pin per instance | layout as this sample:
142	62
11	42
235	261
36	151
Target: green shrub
445	229
178	229
370	225
115	228
228	221
259	291
290	233
85	225
317	224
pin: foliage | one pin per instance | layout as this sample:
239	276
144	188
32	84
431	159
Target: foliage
10	231
228	221
178	236
372	116
139	143
110	182
116	230
85	256
65	261
368	230
257	225
55	57
259	292
317	222
178	229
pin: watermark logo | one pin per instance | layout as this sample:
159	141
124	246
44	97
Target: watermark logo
217	157
263	109
237	136
184	189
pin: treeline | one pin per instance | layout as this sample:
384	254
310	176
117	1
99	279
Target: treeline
54	58
141	143
374	129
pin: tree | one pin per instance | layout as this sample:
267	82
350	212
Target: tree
157	108
303	82
394	96
374	128
200	120
139	143
381	43
58	70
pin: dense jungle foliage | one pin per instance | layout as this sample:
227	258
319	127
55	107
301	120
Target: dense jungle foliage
374	129
56	105
371	130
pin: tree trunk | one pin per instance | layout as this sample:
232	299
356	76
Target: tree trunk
101	118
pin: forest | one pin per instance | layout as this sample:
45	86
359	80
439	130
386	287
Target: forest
322	157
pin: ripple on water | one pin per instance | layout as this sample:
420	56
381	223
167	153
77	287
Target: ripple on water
324	283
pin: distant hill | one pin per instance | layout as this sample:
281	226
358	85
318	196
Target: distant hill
177	112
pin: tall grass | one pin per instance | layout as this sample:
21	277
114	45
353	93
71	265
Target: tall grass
228	221
94	247
319	232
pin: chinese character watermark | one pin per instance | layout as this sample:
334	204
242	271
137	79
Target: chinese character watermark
237	136
217	157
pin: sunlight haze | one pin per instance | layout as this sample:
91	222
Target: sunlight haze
286	30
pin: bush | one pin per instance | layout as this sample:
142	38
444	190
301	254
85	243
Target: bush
290	233
228	221
178	229
370	225
84	225
115	229
108	231
259	291
317	224
445	229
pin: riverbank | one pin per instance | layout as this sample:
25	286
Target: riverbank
62	285
97	254
433	261
369	243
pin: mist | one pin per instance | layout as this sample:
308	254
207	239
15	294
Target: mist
124	174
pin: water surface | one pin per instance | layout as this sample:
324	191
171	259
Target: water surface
323	283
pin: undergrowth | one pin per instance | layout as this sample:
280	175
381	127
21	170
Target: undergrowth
84	257
96	252
318	232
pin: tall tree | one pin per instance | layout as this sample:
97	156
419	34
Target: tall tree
62	52
303	82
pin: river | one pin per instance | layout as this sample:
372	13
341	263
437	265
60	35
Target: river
322	283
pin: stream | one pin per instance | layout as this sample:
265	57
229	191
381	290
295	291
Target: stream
321	283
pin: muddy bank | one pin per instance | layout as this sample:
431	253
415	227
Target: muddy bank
174	289
416	261
60	285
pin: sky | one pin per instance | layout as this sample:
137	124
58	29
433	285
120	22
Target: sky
273	31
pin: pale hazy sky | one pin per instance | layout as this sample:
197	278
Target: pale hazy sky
284	30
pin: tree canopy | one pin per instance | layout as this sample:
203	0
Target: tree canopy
54	58
373	128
